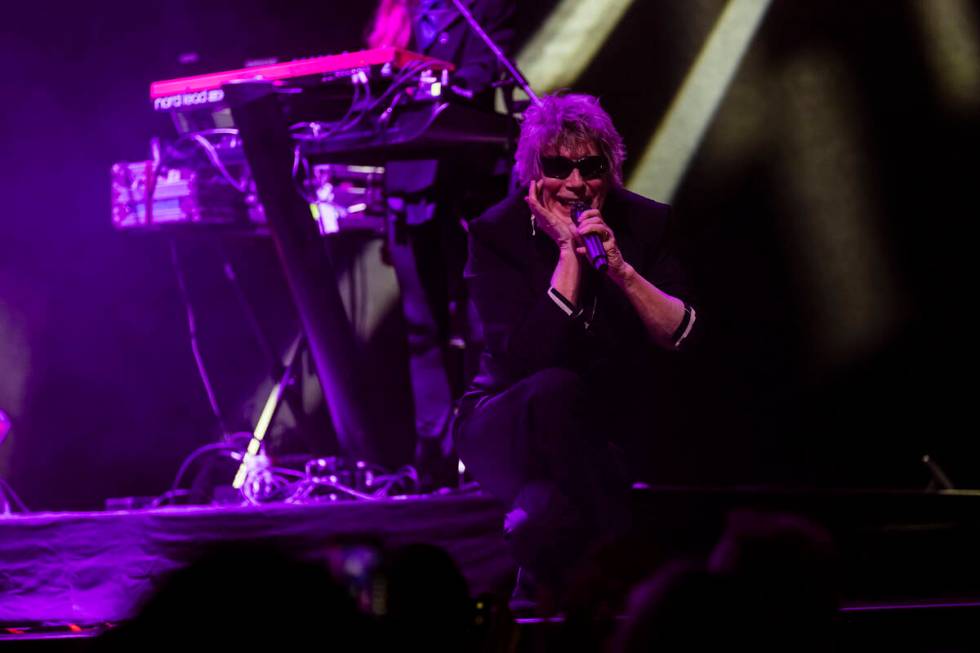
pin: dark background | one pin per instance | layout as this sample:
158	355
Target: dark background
838	122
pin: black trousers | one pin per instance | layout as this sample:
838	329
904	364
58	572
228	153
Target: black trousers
542	446
427	245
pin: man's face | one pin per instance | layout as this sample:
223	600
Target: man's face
558	195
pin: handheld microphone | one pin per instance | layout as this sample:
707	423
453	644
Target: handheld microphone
593	244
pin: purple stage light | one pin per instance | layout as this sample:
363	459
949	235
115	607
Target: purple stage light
4	425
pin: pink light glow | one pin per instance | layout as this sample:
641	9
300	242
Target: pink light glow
292	69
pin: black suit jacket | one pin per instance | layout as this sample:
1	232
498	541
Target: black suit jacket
509	272
476	66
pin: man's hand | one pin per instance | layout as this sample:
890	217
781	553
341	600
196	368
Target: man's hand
559	228
591	222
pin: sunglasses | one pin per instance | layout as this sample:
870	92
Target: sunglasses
559	167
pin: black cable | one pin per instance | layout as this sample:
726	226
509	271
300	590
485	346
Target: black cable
338	124
253	320
167	496
229	447
396	85
197	453
192	329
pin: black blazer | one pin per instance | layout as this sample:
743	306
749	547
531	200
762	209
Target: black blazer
509	272
476	66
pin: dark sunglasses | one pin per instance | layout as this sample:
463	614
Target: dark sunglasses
559	167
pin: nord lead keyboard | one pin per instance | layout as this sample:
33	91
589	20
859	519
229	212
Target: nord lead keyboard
200	91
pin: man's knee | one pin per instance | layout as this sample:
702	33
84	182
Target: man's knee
556	383
556	393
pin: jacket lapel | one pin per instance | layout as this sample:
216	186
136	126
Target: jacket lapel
448	19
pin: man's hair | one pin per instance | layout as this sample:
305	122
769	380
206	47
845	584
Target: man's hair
572	121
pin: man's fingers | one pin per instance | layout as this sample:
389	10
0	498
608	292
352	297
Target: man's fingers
592	219
599	229
531	197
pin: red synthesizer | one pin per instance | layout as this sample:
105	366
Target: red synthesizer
185	92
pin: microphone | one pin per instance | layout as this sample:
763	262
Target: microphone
593	244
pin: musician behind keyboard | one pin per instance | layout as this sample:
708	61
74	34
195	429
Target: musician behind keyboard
427	201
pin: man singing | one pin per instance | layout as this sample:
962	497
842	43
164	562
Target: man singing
571	351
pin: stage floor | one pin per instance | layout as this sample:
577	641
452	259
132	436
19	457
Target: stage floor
896	548
96	567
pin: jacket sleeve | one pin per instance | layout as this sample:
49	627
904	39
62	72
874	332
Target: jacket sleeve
663	269
524	329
